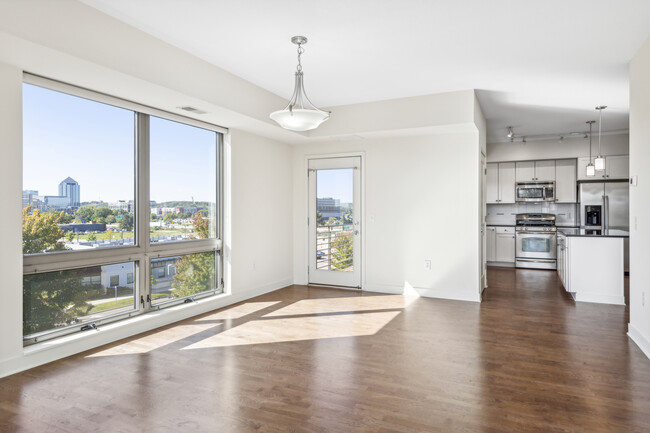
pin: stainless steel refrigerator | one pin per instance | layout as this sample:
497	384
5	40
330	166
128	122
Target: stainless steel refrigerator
604	206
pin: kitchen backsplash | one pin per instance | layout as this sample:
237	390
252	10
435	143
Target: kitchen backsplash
505	213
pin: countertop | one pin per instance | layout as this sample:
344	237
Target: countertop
584	233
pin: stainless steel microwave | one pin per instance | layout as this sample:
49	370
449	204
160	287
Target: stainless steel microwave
535	191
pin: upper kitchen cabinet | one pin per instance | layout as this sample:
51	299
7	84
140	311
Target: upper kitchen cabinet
565	181
616	167
500	182
533	171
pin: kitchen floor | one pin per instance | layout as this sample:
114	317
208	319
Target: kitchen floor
308	359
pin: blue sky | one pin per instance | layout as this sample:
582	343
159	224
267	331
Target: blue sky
93	143
335	184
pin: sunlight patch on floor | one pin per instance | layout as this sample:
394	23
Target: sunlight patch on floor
238	311
155	341
299	328
340	305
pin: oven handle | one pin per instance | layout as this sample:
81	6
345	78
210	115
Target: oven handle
536	260
535	233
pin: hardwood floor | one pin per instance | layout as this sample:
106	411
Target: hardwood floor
306	359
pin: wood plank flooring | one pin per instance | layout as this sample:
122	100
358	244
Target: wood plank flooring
305	359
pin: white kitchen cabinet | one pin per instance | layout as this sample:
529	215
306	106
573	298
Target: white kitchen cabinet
529	171
490	244
591	268
505	244
616	167
565	181
500	182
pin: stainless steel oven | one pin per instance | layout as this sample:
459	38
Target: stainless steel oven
535	191
535	241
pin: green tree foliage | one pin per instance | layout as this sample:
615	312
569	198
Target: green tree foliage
85	213
170	217
69	236
53	299
332	221
342	246
126	222
194	273
64	218
41	231
92	237
320	219
110	219
201	226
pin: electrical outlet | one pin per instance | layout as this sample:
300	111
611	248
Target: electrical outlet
427	265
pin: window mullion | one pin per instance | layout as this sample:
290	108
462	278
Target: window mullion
142	207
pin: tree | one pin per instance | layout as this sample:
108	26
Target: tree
101	212
92	237
126	222
332	221
342	249
85	213
41	232
201	226
169	217
195	272
110	219
53	299
320	219
69	236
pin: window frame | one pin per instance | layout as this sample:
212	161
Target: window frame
142	251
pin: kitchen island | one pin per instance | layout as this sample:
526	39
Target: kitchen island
590	264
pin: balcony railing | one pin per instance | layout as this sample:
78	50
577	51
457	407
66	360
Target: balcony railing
334	247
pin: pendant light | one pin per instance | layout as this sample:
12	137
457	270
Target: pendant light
599	162
591	170
300	114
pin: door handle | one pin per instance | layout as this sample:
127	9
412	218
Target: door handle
356	232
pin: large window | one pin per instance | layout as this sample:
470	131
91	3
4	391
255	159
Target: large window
121	207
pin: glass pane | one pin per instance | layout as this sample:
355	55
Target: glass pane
536	245
182	276
183	182
78	173
58	299
334	213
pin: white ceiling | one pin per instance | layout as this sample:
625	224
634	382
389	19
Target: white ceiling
540	66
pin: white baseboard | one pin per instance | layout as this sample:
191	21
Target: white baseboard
638	338
393	290
52	350
427	293
599	299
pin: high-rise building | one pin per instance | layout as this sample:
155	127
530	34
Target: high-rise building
70	188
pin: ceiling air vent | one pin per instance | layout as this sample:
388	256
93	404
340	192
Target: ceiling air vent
193	110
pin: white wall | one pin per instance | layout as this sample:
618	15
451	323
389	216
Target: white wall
639	328
409	184
262	227
551	149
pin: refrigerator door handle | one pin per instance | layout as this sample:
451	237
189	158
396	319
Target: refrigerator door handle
605	222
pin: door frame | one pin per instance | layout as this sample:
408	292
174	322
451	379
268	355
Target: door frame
361	205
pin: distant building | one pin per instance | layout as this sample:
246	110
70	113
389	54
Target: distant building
70	188
68	196
329	207
31	198
125	205
82	228
162	211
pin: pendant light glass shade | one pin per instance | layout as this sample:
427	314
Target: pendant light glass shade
599	162
300	114
591	170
